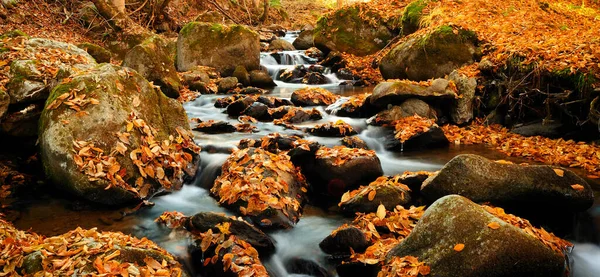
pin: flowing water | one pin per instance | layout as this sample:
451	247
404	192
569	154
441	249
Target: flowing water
55	214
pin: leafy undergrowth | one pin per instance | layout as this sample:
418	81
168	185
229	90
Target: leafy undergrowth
82	252
561	152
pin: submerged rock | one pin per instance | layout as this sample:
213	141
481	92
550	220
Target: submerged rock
264	186
214	127
431	55
457	237
535	186
108	136
199	43
356	29
151	59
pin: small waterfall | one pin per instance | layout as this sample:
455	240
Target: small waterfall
279	62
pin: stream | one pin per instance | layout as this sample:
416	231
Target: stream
56	213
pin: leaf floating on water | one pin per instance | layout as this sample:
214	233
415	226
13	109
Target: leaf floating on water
494	225
559	172
371	195
459	247
381	211
577	187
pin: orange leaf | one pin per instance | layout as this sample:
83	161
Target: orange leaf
577	187
381	211
459	247
559	172
371	195
494	225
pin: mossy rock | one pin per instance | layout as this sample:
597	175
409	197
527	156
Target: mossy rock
427	55
491	252
120	92
355	29
151	59
219	46
100	54
412	15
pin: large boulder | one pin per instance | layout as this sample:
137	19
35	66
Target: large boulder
304	40
482	180
108	136
264	186
151	59
356	29
430	55
218	46
397	92
457	237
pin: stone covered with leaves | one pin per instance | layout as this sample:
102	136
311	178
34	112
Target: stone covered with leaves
107	135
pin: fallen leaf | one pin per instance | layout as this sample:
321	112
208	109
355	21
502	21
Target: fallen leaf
371	195
381	211
559	172
494	225
577	187
459	247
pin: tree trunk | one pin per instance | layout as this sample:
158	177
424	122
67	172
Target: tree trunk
265	15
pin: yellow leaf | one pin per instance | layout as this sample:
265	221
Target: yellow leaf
559	172
494	225
381	211
459	247
577	187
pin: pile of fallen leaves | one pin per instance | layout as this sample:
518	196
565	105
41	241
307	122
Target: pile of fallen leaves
384	229
342	154
338	128
82	252
255	177
561	152
550	240
411	126
72	100
407	266
362	66
370	191
159	161
48	60
315	95
235	254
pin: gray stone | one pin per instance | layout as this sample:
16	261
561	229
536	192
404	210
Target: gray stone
397	92
281	45
218	46
461	111
261	79
483	180
304	40
505	251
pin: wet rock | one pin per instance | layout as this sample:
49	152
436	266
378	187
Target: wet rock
333	129
537	186
204	221
214	127
304	40
273	143
408	108
117	100
26	84
242	75
350	30
99	53
263	186
397	92
503	251
22	122
294	115
432	55
355	106
227	84
354	142
151	59
313	97
294	75
258	110
540	128
461	111
238	107
306	267
433	137
343	240
235	45
314	78
339	169
345	74
274	102
314	53
251	91
223	102
334	60
261	79
414	180
281	45
386	191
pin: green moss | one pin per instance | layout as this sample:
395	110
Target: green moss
187	28
13	34
412	15
215	27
